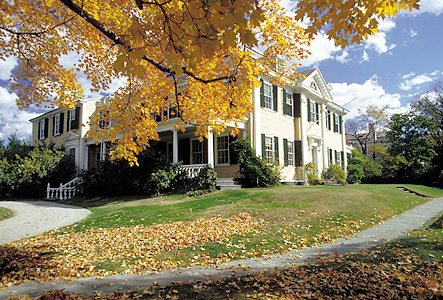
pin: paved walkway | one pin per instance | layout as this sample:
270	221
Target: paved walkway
35	217
393	228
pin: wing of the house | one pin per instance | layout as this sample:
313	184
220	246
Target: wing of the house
292	125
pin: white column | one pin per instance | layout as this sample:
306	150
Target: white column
324	136
174	146
210	148
343	141
256	122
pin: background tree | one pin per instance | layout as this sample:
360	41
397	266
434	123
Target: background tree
364	127
195	55
410	136
26	170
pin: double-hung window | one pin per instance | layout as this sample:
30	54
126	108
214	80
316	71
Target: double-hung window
313	112
289	104
337	158
336	123
222	150
267	95
104	120
290	153
196	152
41	134
71	120
269	150
57	124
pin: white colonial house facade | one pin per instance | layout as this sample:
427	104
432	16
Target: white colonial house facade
293	125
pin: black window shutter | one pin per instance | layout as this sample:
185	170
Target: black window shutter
232	154
53	126
276	153
285	107
263	145
38	132
77	118
262	93
309	111
298	154
296	104
328	120
275	97
62	121
46	127
285	149
68	122
317	113
335	127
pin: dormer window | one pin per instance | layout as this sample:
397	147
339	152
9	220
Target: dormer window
313	86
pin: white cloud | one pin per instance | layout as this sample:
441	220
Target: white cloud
13	120
365	56
413	80
344	57
361	95
322	48
430	6
413	32
386	25
378	42
6	67
408	75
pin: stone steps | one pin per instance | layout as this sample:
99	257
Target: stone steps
228	184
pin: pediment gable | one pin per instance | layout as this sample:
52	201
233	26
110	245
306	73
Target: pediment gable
315	83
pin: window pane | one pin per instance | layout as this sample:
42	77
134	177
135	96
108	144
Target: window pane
291	153
223	150
269	150
267	93
197	152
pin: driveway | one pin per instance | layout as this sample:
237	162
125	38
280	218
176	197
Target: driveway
35	217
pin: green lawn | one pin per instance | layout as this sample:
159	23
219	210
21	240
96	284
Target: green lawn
5	213
406	268
137	235
294	216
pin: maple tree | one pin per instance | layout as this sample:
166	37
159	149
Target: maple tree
197	56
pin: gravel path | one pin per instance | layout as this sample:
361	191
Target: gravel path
35	217
392	228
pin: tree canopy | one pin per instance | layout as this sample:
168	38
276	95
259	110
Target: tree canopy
418	136
196	55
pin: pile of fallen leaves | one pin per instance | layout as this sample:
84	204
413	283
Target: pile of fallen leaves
131	249
331	277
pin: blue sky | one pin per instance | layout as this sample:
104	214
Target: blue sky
403	60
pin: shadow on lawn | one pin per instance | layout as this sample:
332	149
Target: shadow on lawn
19	264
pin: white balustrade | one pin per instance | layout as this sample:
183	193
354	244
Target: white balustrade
64	192
193	170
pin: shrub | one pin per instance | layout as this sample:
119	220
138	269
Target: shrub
153	176
25	170
253	168
204	182
167	178
312	174
336	173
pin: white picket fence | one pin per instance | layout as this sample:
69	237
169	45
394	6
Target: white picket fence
64	192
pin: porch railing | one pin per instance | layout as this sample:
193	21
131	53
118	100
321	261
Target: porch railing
64	192
193	170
